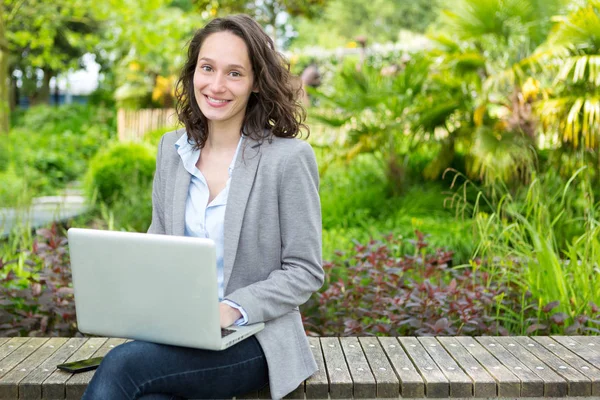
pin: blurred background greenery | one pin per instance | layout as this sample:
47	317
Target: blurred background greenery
476	122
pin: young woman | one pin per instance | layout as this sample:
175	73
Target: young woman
238	175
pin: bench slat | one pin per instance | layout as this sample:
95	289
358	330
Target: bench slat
484	385
317	386
364	381
77	383
9	385
387	382
585	349
337	370
567	354
3	340
54	386
31	386
411	382
508	385
21	353
460	383
577	383
554	384
436	384
531	384
10	346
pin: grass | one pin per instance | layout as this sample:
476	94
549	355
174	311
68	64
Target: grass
521	243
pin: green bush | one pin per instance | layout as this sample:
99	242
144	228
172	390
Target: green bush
13	190
153	137
51	146
117	171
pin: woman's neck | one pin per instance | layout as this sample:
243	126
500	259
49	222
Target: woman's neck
223	137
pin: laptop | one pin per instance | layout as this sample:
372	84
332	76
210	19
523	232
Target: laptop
155	288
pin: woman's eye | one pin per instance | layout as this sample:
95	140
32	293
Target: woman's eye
235	74
206	68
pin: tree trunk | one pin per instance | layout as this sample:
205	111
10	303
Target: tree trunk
4	93
43	96
15	97
56	94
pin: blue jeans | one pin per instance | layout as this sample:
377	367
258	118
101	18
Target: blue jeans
148	371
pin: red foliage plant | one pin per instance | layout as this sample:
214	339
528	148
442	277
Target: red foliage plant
377	290
41	304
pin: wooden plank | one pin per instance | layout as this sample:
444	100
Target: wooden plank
554	384
31	386
484	385
11	345
583	348
387	382
364	381
531	384
411	382
54	386
317	386
508	385
20	354
3	340
9	384
340	379
592	341
567	354
577	383
460	383
436	384
76	384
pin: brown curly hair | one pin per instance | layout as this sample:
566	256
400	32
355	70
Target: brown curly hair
275	107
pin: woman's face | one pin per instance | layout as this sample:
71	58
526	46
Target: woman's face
223	80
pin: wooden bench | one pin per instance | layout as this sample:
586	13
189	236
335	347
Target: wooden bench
363	367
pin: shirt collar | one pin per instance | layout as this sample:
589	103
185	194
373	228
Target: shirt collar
190	156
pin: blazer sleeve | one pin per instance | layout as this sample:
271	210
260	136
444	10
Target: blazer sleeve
158	226
301	272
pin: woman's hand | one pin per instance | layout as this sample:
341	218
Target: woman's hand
228	315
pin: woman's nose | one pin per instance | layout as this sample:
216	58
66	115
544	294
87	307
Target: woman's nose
218	83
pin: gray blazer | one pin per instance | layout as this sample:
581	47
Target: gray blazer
272	247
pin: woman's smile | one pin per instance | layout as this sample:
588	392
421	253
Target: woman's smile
217	103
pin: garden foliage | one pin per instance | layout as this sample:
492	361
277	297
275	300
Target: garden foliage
378	289
118	168
39	300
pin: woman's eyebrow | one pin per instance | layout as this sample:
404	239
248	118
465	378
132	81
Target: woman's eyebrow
210	60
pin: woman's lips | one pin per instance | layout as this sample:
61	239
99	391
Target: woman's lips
217	103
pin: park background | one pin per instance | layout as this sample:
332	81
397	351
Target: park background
457	144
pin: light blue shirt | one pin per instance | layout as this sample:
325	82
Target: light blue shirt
203	219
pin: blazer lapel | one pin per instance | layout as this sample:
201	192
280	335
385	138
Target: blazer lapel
180	193
242	180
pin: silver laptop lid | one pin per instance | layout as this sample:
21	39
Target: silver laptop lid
156	288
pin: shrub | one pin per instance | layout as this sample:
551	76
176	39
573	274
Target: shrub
42	303
378	289
116	170
51	146
13	190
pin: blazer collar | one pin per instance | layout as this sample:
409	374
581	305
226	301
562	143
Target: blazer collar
242	181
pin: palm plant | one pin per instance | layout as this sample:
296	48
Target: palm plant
371	110
482	61
570	109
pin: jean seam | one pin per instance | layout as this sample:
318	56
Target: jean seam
192	372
